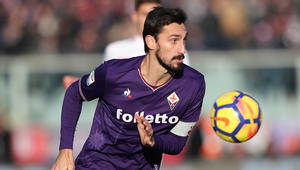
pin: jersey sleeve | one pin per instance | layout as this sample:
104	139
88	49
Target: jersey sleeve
169	143
92	86
69	116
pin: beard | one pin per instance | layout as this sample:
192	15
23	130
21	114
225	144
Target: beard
171	69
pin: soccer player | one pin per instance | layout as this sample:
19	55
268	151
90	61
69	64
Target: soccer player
130	47
147	105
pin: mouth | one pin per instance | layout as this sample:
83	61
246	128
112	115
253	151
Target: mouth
179	58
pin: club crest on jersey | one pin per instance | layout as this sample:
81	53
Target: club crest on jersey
91	79
127	93
173	99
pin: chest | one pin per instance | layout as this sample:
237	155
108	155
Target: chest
163	105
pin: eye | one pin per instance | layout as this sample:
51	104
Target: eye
173	41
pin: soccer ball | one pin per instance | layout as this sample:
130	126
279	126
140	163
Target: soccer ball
236	116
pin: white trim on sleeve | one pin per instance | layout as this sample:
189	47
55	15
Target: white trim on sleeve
80	91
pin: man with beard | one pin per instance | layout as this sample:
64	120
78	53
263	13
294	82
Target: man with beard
147	105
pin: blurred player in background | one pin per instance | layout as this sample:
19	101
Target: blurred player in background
147	105
130	47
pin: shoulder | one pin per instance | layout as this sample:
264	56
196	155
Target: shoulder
195	81
192	75
121	65
192	78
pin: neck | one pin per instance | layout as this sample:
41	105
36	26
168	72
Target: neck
153	72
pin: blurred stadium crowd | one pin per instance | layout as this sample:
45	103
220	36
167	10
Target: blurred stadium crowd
87	26
72	26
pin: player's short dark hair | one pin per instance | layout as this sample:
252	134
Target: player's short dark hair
160	17
138	3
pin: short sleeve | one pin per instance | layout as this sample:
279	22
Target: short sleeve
92	86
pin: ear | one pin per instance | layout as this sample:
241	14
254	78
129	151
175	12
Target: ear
151	42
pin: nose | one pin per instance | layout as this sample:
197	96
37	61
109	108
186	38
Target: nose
181	48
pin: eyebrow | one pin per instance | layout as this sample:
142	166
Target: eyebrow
178	36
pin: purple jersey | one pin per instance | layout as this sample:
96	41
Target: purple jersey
114	143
